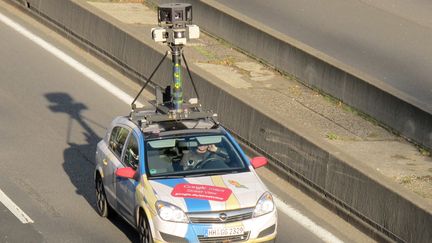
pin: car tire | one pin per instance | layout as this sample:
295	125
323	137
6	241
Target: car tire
145	235
102	206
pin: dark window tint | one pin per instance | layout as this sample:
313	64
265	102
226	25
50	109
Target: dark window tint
131	153
118	139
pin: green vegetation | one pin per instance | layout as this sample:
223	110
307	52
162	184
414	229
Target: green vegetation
424	151
332	136
406	180
203	51
228	61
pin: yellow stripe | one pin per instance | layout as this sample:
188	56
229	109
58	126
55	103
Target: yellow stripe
232	202
148	192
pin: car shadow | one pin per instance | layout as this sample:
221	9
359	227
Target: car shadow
79	161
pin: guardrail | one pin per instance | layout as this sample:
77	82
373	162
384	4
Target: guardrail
354	188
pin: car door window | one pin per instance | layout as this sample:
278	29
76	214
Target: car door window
118	139
131	157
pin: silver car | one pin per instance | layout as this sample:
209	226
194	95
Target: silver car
183	181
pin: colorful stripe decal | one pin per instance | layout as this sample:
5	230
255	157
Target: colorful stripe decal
232	202
149	195
237	146
193	205
141	149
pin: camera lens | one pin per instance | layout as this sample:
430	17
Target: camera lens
178	15
178	34
164	15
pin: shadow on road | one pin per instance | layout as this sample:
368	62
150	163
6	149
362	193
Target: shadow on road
79	161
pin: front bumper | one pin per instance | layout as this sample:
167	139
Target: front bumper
260	229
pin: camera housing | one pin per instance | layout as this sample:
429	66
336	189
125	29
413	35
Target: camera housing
175	24
176	15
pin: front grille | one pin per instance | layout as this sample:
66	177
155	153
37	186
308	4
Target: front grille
214	217
229	219
225	239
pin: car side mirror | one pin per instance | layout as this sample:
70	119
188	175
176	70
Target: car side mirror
126	172
259	162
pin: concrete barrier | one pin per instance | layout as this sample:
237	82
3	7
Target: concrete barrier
373	97
359	190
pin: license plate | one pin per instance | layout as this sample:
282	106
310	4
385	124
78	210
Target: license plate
217	232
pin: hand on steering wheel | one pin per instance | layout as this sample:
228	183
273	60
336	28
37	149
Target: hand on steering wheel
202	163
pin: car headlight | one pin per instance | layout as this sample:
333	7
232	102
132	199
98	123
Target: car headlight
169	212
264	205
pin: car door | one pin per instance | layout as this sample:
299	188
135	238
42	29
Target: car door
125	187
111	161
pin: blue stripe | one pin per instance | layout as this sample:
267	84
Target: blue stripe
190	234
171	182
130	184
192	204
141	141
238	148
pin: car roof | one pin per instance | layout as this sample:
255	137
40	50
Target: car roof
159	121
184	127
174	127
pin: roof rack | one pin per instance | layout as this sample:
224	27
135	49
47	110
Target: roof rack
163	114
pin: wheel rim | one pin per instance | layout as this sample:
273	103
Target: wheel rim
144	231
100	196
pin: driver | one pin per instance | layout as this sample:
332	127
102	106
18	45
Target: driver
191	158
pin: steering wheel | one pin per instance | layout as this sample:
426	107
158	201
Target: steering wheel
202	163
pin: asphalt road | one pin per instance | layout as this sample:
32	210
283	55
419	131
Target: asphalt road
51	117
386	39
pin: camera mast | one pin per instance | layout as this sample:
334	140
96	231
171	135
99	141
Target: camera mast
174	29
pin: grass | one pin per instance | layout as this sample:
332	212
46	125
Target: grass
229	61
332	136
424	151
339	103
406	180
205	52
372	135
411	179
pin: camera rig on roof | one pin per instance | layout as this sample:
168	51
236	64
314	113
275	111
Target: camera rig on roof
175	28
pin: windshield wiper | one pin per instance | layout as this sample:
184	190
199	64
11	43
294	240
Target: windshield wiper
208	173
166	177
212	173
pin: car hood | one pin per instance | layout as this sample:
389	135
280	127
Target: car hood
210	193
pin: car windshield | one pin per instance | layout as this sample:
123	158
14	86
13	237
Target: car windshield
192	156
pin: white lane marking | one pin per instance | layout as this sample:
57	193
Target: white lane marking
69	61
23	217
320	232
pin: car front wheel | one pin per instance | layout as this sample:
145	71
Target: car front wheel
101	200
144	230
